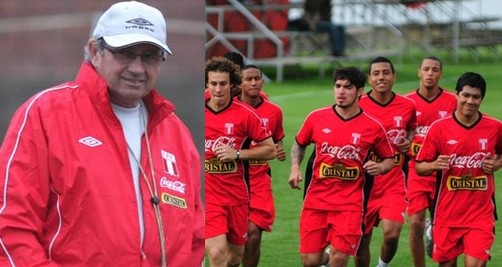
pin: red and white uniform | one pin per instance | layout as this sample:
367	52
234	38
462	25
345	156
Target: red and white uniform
465	198
387	195
262	211
68	197
421	189
338	177
225	182
466	190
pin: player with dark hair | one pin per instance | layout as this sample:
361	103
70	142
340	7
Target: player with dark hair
230	125
343	135
262	210
386	196
432	103
465	149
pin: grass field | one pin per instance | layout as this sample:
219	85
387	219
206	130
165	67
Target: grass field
299	96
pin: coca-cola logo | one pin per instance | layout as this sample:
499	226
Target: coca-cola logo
173	185
421	130
472	161
344	152
395	135
211	145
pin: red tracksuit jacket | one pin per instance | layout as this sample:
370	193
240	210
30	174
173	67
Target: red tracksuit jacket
67	196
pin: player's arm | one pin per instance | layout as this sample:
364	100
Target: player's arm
426	168
295	175
264	151
281	153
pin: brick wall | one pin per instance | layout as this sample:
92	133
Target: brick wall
32	60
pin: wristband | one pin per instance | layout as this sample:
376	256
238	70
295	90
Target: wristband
238	152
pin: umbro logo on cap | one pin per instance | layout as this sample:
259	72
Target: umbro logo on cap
140	21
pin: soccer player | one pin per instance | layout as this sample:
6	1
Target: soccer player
262	211
432	103
229	126
386	193
343	135
465	148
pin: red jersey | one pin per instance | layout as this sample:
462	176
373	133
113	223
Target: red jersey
465	193
259	170
234	125
398	117
428	111
341	148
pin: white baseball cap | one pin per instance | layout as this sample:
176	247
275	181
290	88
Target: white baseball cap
129	23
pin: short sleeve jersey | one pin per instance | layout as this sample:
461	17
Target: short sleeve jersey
259	170
233	126
398	117
341	148
428	111
465	193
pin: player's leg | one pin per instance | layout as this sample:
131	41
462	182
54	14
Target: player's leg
252	251
420	194
473	262
451	263
217	251
216	234
313	236
478	242
261	218
362	259
235	253
237	232
417	228
391	232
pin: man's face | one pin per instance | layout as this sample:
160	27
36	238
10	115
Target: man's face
430	73
468	101
346	94
129	72
381	77
252	82
218	84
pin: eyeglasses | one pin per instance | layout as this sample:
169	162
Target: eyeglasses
126	56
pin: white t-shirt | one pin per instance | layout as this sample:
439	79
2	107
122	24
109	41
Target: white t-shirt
133	122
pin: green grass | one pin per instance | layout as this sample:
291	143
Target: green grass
302	92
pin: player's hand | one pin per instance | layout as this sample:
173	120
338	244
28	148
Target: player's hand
442	162
372	168
490	164
225	153
295	177
281	154
403	145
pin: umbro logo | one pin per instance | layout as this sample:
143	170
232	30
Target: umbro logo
452	142
326	130
90	141
140	21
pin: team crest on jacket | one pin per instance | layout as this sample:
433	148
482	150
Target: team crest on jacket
170	166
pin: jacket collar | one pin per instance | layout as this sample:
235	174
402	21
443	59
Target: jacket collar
97	90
